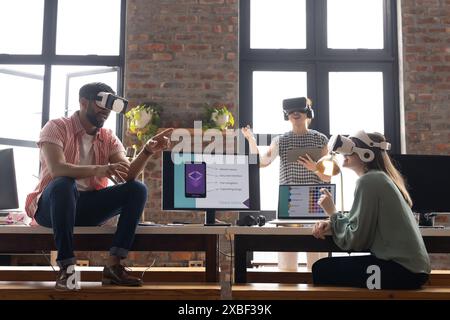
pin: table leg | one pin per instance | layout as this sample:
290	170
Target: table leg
240	260
211	258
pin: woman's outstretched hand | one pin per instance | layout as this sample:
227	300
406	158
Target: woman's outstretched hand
247	132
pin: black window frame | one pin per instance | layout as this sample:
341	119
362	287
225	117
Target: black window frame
318	60
49	58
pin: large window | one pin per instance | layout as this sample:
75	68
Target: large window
340	53
48	50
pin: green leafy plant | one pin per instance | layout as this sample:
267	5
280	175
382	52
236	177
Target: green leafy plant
144	121
218	118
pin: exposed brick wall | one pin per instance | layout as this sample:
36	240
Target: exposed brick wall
426	62
183	55
426	56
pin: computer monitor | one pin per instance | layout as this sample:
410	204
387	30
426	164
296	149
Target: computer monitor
210	182
300	201
427	180
8	186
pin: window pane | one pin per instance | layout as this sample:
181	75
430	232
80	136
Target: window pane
88	27
66	83
356	102
26	162
355	24
21	107
277	24
21	23
270	88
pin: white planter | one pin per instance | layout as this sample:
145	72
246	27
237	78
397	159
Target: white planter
146	117
220	120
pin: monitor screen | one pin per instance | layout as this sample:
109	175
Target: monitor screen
427	178
8	187
300	201
214	181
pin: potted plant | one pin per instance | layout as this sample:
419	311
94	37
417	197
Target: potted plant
144	121
218	118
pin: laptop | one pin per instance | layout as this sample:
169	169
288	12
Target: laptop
297	204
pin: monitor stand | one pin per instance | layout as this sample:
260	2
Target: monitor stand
210	219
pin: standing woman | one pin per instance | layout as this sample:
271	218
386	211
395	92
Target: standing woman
380	221
299	112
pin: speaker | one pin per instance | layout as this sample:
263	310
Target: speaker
251	221
253	218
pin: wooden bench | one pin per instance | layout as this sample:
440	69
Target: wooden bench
95	291
273	275
94	274
24	239
272	291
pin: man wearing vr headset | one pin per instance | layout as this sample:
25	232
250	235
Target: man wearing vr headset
299	112
380	222
77	157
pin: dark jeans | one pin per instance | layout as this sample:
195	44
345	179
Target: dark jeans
352	272
62	207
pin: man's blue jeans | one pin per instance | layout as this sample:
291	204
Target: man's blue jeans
62	207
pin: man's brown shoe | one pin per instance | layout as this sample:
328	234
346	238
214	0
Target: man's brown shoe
120	276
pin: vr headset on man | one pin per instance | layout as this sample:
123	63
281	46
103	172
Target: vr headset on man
107	100
345	146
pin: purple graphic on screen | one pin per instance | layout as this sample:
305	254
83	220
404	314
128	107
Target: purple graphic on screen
195	177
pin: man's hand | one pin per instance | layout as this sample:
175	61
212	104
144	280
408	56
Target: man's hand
320	228
159	142
117	172
326	202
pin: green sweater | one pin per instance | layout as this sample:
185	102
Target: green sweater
381	222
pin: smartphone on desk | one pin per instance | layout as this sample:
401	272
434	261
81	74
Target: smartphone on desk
195	179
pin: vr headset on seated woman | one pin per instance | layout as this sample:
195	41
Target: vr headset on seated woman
345	146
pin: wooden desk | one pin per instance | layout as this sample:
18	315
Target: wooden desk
24	239
299	239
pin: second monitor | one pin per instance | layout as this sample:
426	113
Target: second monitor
8	186
210	182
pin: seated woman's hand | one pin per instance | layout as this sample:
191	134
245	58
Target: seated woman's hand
321	228
326	202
